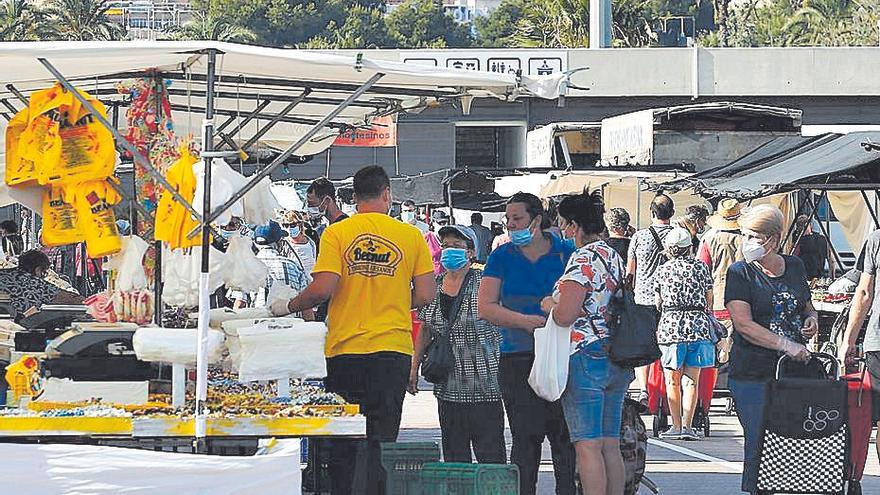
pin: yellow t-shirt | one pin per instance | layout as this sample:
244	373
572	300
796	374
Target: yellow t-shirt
376	258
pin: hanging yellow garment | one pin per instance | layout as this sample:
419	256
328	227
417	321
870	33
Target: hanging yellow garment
173	220
60	222
94	202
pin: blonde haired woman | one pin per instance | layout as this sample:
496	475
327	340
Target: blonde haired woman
769	302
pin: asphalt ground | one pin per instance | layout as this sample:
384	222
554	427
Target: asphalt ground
711	466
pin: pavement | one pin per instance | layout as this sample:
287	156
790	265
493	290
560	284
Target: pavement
711	466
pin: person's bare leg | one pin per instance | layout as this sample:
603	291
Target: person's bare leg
642	378
689	385
591	466
673	394
615	473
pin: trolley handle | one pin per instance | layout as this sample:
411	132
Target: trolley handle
813	357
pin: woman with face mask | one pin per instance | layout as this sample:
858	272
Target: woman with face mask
769	302
518	275
297	245
469	402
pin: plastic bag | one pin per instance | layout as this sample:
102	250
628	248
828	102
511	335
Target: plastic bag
18	169
550	369
260	203
39	142
271	353
175	345
224	183
173	221
233	344
244	270
60	218
181	269
219	316
128	264
94	202
87	148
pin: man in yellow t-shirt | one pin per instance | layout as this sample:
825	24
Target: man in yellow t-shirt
374	270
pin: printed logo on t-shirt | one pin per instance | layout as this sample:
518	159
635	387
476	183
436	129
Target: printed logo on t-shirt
371	255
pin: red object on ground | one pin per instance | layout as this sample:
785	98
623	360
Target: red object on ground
859	423
416	326
657	388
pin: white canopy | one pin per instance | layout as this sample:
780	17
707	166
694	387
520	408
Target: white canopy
249	76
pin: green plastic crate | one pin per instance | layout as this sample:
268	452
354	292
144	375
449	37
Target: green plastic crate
450	478
403	464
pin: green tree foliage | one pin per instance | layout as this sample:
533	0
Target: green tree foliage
425	24
81	20
363	28
20	20
208	26
497	29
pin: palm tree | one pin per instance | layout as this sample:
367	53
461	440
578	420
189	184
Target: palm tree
207	26
21	21
83	20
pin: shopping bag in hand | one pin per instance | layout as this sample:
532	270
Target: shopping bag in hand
550	369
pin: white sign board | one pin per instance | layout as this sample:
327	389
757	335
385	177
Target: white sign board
539	147
531	62
628	139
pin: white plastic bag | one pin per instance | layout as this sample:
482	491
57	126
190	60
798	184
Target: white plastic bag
550	369
260	203
233	344
243	270
218	316
181	269
224	183
128	264
272	353
175	345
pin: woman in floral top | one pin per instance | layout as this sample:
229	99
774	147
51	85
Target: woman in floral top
684	295
593	397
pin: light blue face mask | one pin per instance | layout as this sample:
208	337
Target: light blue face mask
294	231
521	237
569	242
453	259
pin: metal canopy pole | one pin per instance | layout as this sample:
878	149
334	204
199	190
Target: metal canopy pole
870	209
256	178
825	231
249	117
274	120
204	297
120	139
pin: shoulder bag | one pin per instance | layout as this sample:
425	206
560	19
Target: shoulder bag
633	340
438	361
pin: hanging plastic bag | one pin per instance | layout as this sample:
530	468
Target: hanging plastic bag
39	143
549	373
260	203
181	271
224	183
271	352
87	148
94	202
173	220
175	345
128	264
60	219
244	270
18	170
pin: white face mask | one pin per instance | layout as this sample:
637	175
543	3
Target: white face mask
408	216
753	250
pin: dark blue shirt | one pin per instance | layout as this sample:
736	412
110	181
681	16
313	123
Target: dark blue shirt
777	304
524	284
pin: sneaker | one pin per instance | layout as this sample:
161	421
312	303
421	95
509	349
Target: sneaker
671	434
690	435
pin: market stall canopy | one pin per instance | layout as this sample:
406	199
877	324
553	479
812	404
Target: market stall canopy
830	161
294	88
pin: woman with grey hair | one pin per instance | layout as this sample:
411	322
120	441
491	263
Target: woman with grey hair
683	287
617	220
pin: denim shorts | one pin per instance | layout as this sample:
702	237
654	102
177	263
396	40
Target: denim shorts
699	354
593	397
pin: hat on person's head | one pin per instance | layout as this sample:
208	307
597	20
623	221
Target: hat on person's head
727	214
464	233
440	217
677	238
269	233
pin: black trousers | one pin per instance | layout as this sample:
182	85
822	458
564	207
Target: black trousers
531	419
477	424
377	382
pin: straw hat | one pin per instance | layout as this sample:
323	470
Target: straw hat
726	216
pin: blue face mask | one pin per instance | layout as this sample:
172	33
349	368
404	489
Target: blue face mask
569	242
521	237
294	231
453	259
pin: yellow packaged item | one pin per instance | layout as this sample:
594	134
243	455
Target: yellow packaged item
23	377
94	202
87	148
60	222
173	220
39	142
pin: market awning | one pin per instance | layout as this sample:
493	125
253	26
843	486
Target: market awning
830	161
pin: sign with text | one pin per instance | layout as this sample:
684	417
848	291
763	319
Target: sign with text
531	62
382	134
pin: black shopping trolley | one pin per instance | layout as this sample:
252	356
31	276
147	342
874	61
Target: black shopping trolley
804	444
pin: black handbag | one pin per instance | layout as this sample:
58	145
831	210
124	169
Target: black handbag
438	361
633	340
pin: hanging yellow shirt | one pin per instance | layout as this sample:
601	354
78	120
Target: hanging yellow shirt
376	258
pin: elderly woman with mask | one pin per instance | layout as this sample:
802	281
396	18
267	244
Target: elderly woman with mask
769	302
469	401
